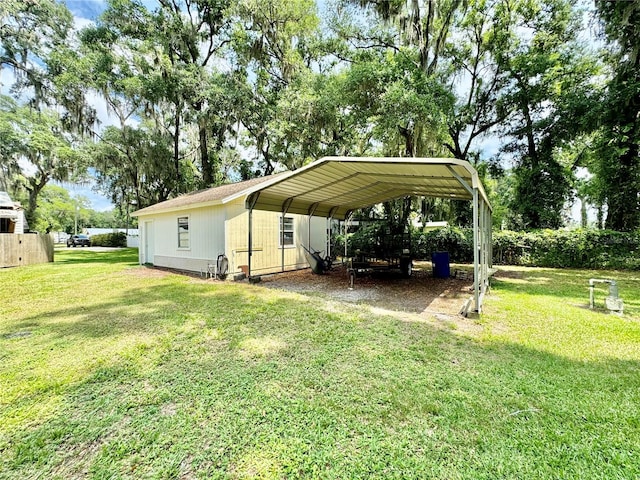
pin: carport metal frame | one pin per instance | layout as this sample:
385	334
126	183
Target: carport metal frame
333	187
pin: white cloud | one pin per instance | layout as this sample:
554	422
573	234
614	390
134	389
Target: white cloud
7	78
79	23
105	117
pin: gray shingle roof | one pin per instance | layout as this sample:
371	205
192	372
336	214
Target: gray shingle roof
209	195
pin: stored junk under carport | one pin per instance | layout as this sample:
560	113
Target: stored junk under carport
333	187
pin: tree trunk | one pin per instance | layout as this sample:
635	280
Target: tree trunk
600	216
176	144
208	175
583	212
34	190
407	134
623	213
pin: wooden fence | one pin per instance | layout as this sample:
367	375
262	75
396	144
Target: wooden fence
17	249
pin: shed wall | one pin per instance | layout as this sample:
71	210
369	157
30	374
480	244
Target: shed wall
267	253
225	229
206	238
19	228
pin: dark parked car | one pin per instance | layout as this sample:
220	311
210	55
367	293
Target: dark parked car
75	240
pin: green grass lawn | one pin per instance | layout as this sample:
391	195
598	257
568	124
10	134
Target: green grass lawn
112	370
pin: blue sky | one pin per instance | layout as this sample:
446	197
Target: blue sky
83	12
88	9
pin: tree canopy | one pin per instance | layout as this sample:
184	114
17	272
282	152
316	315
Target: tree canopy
541	96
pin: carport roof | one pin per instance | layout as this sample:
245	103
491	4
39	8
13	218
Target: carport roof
334	186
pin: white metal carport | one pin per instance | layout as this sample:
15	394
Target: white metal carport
333	187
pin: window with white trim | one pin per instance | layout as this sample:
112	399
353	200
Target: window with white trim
183	232
287	240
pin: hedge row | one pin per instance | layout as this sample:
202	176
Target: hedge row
457	241
117	239
586	248
580	248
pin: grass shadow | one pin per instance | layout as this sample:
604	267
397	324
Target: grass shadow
239	383
221	380
79	256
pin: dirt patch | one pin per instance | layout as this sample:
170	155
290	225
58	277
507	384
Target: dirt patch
502	273
421	294
168	409
152	271
12	335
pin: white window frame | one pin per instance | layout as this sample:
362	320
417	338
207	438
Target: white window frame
188	234
289	228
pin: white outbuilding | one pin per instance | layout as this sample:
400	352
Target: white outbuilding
262	224
12	218
192	232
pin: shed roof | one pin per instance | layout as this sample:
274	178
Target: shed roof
6	213
5	200
203	198
334	186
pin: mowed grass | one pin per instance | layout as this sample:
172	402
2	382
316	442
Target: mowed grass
112	370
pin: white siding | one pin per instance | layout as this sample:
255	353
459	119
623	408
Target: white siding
206	238
224	229
133	241
20	222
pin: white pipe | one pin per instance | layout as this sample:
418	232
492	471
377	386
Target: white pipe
613	289
476	253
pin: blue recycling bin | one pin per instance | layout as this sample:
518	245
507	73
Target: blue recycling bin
440	262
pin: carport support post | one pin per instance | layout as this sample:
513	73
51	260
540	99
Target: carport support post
476	252
250	203
332	212
328	230
312	211
347	221
250	249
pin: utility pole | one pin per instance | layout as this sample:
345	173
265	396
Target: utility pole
75	223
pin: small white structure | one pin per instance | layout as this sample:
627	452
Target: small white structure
11	215
190	232
102	231
18	248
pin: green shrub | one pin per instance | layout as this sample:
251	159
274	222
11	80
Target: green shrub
580	248
455	240
364	240
116	239
371	239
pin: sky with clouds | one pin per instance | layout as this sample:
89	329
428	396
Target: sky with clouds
85	12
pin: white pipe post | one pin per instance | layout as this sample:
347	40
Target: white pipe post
250	249
327	225
476	253
250	203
